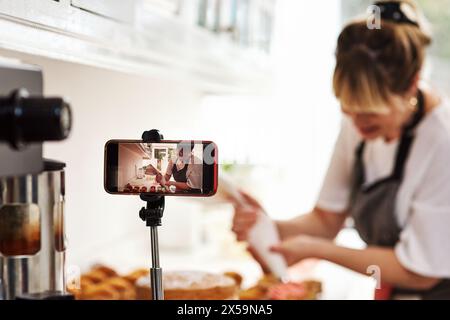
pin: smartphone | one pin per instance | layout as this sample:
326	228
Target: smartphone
169	167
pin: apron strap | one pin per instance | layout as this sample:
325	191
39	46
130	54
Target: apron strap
408	138
360	177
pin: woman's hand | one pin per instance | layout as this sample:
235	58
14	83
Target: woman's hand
300	247
161	180
245	216
393	272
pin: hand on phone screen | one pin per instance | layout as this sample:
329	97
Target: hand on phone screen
160	179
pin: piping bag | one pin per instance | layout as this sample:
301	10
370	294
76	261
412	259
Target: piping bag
262	235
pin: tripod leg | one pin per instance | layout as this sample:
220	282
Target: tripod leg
155	271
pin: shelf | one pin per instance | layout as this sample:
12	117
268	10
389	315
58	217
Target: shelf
150	45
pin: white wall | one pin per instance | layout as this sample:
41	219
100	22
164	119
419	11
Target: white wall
132	157
286	137
305	40
108	105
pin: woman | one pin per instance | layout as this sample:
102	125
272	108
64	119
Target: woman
186	170
389	170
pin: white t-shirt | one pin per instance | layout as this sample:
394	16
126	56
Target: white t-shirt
423	200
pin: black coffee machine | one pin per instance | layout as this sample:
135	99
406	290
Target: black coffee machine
32	235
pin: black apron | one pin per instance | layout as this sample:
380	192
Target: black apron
372	206
181	176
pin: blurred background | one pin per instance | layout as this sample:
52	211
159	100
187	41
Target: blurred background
252	75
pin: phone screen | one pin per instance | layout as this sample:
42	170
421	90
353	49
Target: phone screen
186	168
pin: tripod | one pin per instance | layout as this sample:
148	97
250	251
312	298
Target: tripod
152	215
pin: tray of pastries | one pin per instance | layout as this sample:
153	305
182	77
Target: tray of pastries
104	283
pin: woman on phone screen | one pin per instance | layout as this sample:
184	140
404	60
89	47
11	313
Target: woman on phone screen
186	170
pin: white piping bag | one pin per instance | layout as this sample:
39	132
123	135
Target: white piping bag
262	235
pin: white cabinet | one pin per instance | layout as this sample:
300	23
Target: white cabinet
110	34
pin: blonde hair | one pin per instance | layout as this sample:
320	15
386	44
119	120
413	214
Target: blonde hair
374	64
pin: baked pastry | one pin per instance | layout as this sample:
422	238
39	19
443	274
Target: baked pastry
271	288
191	285
307	290
107	271
103	283
125	289
98	273
94	277
253	293
314	289
235	276
287	291
259	291
136	275
100	292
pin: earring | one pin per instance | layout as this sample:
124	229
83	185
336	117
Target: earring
413	101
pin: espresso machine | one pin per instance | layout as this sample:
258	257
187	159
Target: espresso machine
32	235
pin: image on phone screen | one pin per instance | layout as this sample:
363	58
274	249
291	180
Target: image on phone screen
167	167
